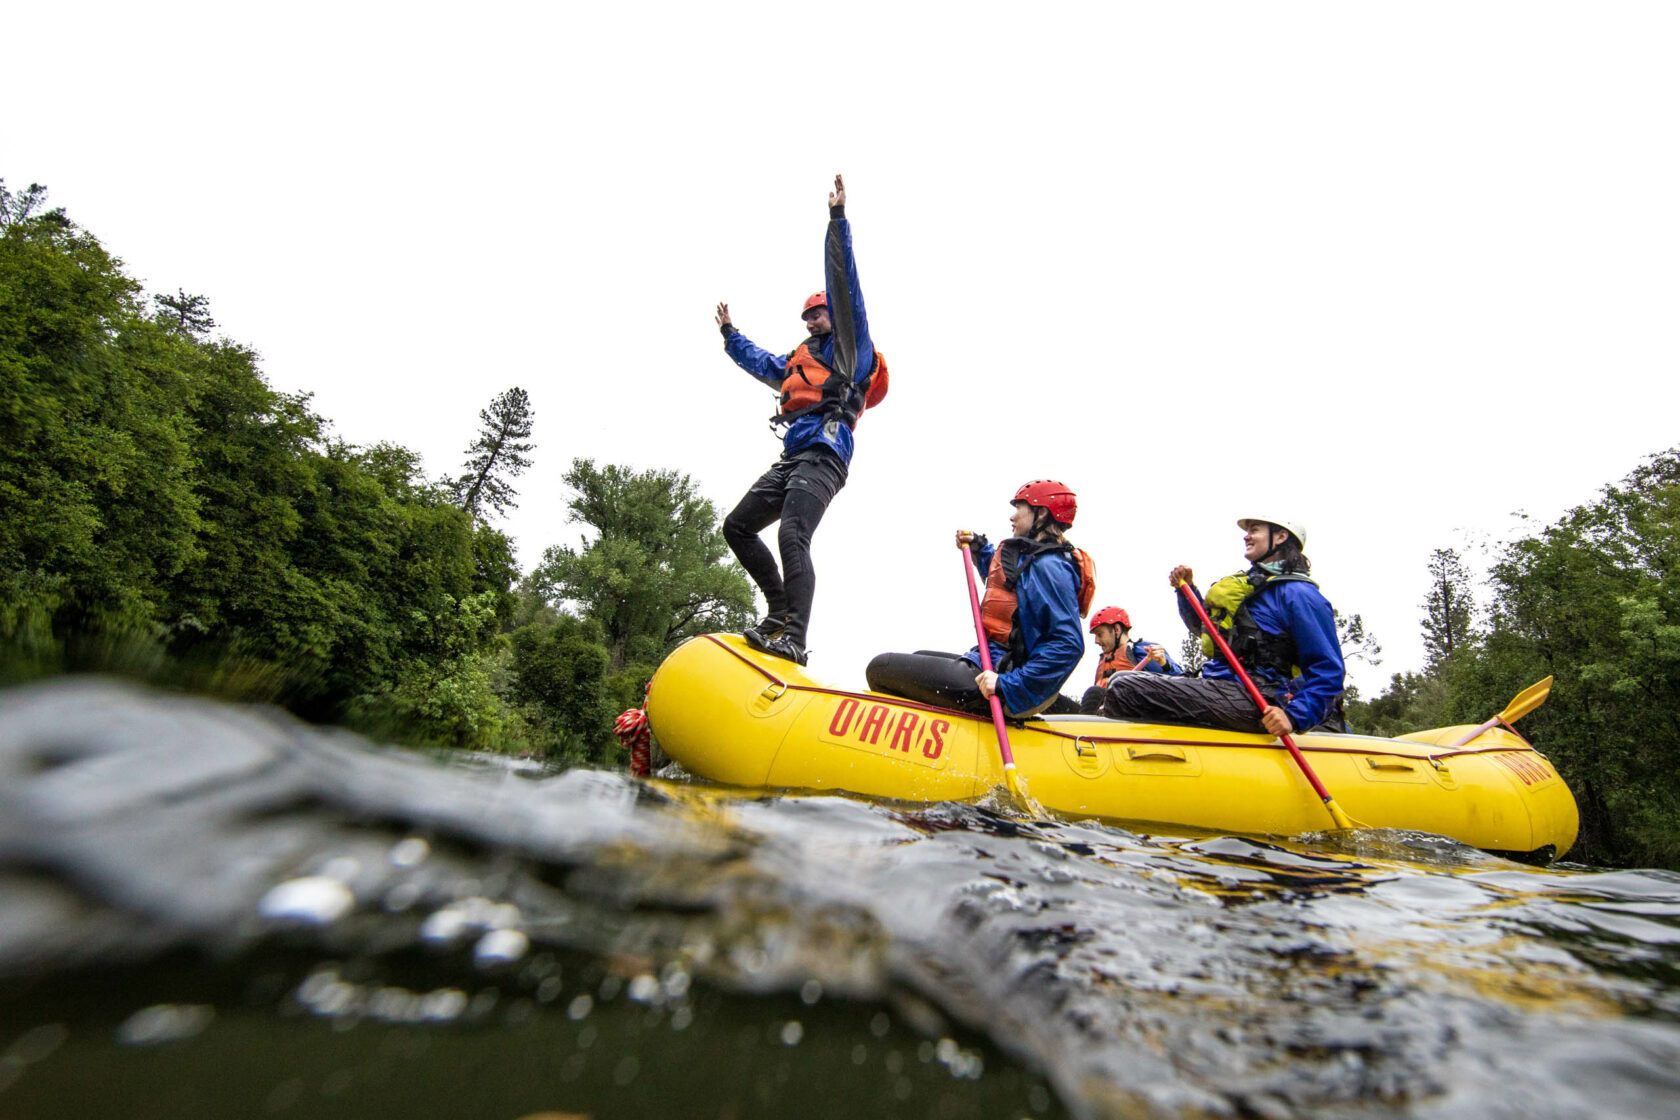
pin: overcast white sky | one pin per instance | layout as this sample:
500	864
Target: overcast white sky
1395	270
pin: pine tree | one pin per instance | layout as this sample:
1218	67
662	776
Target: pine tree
188	314
1448	610
497	455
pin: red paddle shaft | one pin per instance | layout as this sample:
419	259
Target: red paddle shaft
986	663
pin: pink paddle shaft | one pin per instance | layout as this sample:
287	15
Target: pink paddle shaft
1253	693
986	661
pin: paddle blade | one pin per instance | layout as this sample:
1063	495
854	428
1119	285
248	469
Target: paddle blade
1342	820
1023	800
1526	701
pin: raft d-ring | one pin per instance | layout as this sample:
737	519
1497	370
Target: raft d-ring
1080	751
773	692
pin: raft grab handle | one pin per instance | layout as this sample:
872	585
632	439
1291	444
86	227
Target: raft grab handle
1156	754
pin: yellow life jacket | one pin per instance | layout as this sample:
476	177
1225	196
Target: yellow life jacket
1227	602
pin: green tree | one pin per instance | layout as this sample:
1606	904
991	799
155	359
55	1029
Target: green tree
163	503
497	455
94	449
1357	643
20	206
188	314
1592	601
1448	609
559	682
657	571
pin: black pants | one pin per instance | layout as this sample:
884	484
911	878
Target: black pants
795	491
945	680
1153	698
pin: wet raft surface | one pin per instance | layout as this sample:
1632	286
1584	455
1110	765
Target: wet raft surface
210	910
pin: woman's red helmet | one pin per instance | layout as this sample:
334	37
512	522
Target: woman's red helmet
1053	496
1113	616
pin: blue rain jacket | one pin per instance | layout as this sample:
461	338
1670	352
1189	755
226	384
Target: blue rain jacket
1047	612
1301	611
849	350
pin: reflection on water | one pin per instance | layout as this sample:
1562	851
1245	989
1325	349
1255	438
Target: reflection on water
319	929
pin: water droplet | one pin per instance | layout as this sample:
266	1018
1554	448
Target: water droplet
792	1032
549	990
500	946
860	1054
316	899
164	1022
626	1069
580	1007
681	1018
644	988
410	852
880	1024
443	1004
810	992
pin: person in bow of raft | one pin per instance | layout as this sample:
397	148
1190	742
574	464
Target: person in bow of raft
1038	587
825	384
1278	625
1112	629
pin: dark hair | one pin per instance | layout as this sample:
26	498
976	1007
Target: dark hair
1289	555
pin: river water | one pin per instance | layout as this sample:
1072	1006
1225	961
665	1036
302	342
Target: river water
214	911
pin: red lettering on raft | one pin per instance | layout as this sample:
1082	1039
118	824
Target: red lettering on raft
842	721
1531	771
932	747
905	732
870	732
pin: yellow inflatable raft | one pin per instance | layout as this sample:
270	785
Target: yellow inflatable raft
734	715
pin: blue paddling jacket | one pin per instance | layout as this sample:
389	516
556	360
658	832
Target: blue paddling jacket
849	350
1295	609
1047	622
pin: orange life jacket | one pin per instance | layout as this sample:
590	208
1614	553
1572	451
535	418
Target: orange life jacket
807	374
997	609
1116	662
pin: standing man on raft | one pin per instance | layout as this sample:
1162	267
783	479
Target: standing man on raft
825	384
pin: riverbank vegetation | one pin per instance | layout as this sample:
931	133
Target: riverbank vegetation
1592	601
169	515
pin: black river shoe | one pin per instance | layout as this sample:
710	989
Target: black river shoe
777	647
767	629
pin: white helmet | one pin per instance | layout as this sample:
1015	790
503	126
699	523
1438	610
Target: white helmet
1296	529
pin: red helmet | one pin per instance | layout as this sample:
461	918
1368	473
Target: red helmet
1114	616
819	299
1053	496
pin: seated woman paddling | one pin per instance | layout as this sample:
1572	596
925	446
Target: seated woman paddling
1038	586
